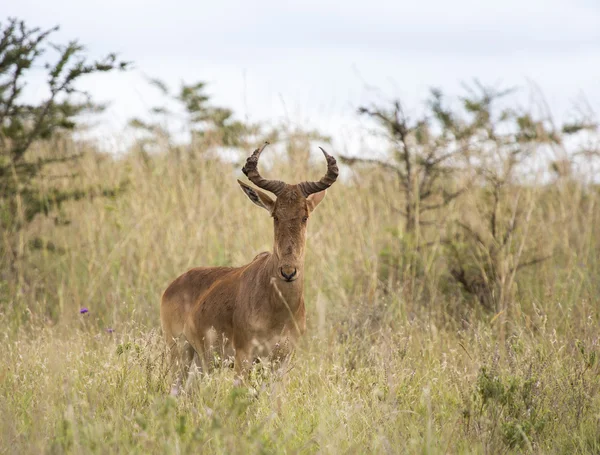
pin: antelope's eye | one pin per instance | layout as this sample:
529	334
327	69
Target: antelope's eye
275	218
304	219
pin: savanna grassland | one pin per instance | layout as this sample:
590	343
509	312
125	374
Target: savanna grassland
399	356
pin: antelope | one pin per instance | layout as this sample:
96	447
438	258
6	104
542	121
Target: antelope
254	310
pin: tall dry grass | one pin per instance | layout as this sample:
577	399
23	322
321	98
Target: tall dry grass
397	357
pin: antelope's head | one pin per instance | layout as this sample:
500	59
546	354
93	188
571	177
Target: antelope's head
290	210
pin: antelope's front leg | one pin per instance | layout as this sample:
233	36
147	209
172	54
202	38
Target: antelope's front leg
186	358
243	361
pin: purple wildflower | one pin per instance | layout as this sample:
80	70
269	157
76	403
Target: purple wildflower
110	330
83	310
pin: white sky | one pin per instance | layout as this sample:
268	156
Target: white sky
313	62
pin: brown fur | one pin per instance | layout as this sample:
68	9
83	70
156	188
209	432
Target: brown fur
249	310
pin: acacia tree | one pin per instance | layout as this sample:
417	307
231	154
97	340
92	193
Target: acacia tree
23	52
193	110
484	142
486	248
422	160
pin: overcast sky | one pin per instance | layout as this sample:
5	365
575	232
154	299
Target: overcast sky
314	62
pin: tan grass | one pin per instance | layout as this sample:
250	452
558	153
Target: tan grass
391	363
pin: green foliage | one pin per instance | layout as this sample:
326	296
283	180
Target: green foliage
22	123
470	156
425	155
516	402
23	188
206	123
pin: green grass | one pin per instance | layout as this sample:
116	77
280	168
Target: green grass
391	363
412	388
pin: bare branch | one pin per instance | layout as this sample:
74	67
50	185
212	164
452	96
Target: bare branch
493	218
472	232
532	262
349	160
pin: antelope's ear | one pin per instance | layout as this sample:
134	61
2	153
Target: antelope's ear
315	199
258	197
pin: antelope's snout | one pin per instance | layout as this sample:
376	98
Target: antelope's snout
288	273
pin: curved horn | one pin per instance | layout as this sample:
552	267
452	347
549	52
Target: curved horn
251	171
309	188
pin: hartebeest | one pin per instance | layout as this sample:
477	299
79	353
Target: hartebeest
248	310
